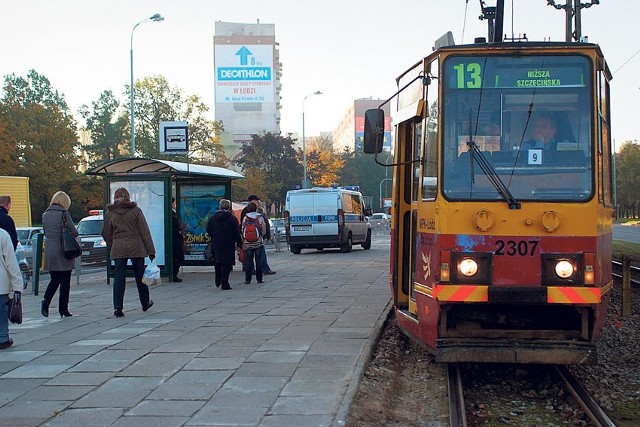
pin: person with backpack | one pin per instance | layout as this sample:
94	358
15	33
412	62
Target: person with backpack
267	235
253	229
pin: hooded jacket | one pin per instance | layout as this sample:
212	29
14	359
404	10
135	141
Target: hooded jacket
126	231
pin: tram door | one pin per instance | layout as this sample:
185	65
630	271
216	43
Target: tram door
408	176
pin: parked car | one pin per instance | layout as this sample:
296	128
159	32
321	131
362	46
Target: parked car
278	230
379	220
24	263
26	238
94	248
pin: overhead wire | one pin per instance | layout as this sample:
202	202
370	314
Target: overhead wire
464	22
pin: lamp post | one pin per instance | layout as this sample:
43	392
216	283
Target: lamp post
156	18
304	145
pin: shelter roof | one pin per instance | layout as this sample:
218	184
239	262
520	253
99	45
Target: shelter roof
141	165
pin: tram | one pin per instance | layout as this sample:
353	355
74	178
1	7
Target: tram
502	204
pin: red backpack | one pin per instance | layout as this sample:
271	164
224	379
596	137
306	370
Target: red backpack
251	229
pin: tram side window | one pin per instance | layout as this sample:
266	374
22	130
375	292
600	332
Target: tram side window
430	156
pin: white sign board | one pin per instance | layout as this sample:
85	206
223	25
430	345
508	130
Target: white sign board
244	73
174	137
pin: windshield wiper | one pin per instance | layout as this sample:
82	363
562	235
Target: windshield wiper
490	172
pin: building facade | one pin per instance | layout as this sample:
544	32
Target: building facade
350	131
247	80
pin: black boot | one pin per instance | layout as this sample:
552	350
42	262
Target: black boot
44	310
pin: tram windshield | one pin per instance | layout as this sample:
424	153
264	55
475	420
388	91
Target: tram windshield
517	122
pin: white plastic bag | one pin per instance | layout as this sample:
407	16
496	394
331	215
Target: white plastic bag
151	274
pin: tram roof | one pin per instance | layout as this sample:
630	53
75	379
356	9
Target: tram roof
141	165
518	45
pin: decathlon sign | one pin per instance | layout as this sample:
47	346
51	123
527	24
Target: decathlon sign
244	73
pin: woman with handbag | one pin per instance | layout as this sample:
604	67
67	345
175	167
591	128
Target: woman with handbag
224	230
54	221
10	282
128	237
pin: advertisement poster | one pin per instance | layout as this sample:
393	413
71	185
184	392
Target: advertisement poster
244	73
197	204
150	197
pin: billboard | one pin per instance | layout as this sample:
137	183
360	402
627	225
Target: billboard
244	73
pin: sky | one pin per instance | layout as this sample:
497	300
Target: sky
347	49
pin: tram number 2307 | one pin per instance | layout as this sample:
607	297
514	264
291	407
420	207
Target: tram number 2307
516	248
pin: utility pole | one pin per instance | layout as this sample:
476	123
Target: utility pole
573	12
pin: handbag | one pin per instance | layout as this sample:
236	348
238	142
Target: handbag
241	255
70	245
14	308
208	251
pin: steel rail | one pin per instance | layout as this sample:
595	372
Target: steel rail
457	416
584	399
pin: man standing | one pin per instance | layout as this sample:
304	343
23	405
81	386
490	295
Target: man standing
178	241
6	222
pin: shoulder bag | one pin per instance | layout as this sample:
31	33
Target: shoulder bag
14	308
70	245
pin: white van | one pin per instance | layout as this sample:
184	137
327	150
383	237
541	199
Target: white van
326	218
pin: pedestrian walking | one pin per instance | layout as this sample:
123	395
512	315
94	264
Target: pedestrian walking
10	282
128	237
224	230
178	241
54	220
253	230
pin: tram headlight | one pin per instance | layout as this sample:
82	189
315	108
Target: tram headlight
471	267
564	269
468	267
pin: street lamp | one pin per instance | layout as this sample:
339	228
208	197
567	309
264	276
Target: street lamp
304	145
156	18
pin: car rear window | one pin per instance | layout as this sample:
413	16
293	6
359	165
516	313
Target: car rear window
90	226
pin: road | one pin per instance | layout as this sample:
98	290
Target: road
627	233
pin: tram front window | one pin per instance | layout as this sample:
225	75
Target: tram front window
530	119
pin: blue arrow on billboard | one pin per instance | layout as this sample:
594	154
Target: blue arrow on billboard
243	53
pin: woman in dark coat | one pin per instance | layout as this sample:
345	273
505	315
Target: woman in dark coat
224	229
128	237
55	263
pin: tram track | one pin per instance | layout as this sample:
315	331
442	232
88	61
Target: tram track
477	383
457	413
583	398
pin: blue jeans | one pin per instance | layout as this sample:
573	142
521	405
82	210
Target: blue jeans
251	254
4	318
120	279
263	261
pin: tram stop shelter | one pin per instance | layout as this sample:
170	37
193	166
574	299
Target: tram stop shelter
152	183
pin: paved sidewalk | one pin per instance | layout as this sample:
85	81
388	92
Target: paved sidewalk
288	352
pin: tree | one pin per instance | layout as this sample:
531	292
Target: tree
323	163
39	135
274	156
157	101
108	129
628	174
360	169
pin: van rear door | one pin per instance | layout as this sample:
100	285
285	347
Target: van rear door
326	210
301	214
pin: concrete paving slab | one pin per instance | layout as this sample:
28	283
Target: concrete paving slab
286	352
